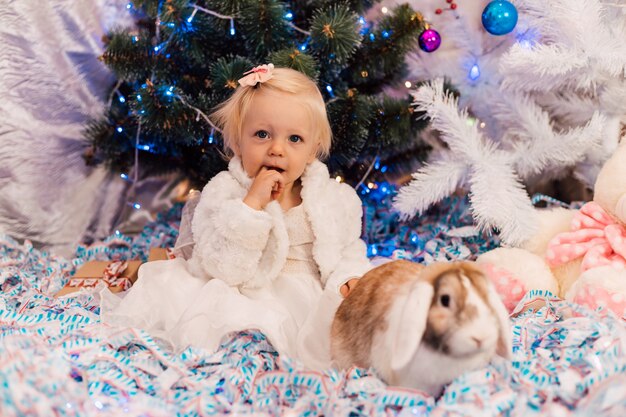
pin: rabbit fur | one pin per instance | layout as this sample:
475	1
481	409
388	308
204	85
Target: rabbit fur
421	326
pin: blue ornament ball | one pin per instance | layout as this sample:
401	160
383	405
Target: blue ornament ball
499	17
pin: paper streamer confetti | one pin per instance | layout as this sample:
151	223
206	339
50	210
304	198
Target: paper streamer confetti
56	358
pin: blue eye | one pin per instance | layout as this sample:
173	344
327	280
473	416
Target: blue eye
262	134
295	138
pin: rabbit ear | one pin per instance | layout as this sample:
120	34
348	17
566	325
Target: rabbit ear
407	323
505	341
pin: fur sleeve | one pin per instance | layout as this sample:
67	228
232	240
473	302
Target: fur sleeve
353	262
230	236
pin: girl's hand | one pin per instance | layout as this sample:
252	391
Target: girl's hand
348	287
267	186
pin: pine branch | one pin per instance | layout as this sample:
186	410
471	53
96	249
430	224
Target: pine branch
381	58
498	198
431	184
335	33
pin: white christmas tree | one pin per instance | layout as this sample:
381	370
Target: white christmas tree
542	101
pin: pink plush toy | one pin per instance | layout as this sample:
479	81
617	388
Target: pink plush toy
585	250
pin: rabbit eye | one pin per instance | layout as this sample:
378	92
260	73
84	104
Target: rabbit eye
445	300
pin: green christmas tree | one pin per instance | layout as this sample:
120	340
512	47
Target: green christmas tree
185	57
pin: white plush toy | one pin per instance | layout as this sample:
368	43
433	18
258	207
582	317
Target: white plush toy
585	249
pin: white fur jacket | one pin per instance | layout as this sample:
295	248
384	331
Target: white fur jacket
247	248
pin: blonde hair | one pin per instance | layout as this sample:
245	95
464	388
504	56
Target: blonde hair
230	114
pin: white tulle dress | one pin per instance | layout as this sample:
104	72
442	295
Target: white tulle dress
293	311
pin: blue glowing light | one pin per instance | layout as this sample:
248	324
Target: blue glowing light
288	15
232	28
138	97
474	72
119	129
122	99
145	147
385	34
124	176
384	169
136	206
361	20
372	37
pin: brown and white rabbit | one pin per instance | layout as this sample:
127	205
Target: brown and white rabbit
421	326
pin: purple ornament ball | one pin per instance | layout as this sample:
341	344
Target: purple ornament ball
429	40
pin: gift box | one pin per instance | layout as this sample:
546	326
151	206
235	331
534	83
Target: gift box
161	254
117	275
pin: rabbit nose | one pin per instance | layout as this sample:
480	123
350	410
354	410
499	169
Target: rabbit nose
478	341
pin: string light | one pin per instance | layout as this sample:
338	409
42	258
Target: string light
408	84
119	129
474	72
192	15
384	10
136	206
122	99
124	176
232	27
305	44
288	15
329	88
384	169
338	178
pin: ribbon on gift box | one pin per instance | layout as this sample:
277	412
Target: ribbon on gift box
111	276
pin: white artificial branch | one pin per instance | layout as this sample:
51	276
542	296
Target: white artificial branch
429	185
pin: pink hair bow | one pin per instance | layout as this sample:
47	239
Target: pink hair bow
595	236
256	75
